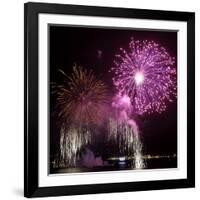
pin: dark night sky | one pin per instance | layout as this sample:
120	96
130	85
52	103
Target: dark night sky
69	45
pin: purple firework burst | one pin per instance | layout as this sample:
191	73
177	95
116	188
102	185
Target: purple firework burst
145	73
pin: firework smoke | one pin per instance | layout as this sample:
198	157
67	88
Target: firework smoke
147	75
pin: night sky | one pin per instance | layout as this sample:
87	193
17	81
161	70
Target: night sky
95	48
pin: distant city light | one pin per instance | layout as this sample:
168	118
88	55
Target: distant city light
122	158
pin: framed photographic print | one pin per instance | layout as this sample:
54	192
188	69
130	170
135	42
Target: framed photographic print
109	99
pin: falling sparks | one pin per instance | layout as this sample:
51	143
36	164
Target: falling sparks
126	137
146	74
82	98
72	141
124	132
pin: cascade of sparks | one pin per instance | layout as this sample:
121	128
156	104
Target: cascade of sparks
126	137
146	74
81	101
72	140
124	131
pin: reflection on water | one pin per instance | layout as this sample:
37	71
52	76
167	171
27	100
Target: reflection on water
114	164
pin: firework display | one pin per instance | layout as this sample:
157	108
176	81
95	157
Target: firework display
147	75
108	111
124	132
82	99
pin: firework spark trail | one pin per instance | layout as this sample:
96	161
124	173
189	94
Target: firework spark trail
145	73
82	98
124	131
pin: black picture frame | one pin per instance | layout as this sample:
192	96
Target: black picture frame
31	12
